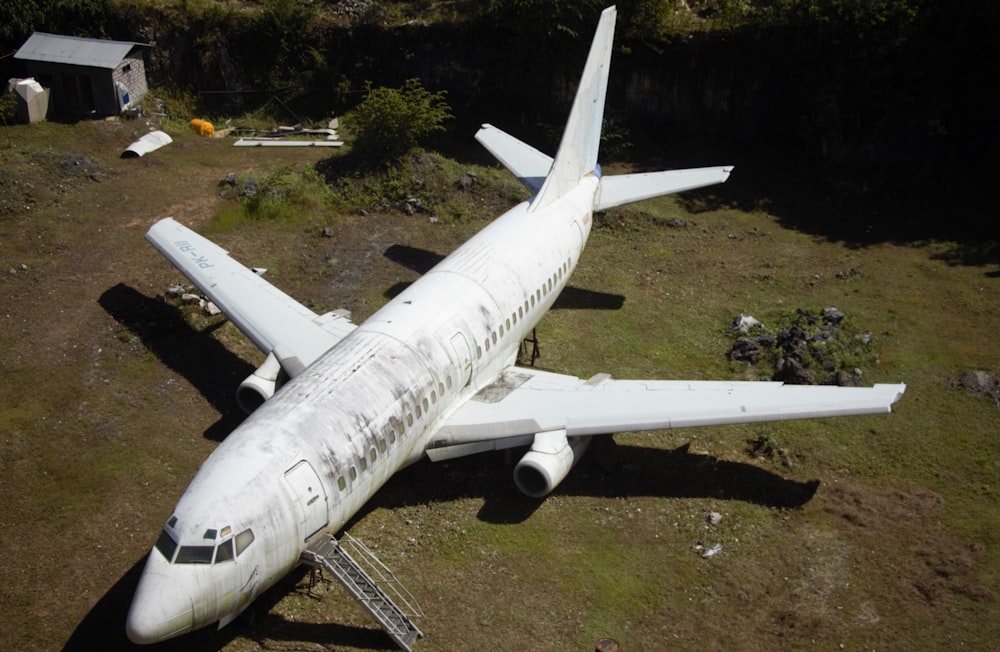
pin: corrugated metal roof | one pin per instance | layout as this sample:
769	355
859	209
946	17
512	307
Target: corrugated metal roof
54	48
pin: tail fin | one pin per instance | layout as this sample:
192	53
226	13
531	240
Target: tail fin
577	155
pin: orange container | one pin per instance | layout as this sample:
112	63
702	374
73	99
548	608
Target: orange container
202	127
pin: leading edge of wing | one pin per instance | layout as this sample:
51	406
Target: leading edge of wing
272	320
525	401
524	161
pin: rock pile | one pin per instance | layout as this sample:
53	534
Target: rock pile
815	347
982	383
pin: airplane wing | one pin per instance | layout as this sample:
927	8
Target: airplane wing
523	402
272	320
525	162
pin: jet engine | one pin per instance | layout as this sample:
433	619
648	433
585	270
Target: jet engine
260	385
549	461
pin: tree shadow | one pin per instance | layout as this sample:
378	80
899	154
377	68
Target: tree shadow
859	211
197	356
572	298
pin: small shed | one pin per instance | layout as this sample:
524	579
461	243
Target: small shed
86	76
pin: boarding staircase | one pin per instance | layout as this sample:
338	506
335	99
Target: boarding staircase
369	582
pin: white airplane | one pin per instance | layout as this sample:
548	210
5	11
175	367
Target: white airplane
430	374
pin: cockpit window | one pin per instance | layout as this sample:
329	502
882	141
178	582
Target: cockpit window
243	540
195	554
166	545
224	552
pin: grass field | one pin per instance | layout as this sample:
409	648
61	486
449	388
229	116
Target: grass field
865	533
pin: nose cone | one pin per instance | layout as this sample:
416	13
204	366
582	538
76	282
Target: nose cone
161	609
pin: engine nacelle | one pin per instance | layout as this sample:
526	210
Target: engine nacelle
260	385
549	461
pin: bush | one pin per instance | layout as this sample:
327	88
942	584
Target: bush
390	122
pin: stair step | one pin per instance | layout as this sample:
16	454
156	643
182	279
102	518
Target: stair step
371	592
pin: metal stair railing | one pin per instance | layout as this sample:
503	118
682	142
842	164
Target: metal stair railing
371	583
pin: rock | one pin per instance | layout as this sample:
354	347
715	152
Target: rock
211	309
745	349
190	298
792	372
606	645
832	316
230	180
977	381
327	232
744	323
844	378
713	518
821	336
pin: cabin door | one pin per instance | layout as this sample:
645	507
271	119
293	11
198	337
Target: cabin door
460	345
310	495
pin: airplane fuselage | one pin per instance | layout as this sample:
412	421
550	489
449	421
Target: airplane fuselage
312	455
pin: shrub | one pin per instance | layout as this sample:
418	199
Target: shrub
390	122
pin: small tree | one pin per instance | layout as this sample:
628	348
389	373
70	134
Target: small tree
390	122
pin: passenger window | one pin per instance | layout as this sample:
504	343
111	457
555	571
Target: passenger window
354	474
166	545
243	541
381	445
372	455
363	463
195	554
224	552
342	483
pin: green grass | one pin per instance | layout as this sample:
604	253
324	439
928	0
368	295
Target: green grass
100	431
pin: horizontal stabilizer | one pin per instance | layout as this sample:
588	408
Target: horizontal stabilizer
625	188
525	162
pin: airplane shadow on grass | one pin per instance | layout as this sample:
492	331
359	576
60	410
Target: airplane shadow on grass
103	628
571	298
197	356
607	470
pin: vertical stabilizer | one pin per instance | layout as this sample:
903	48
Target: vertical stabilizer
577	155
